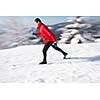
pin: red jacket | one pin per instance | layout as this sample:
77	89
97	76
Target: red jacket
46	34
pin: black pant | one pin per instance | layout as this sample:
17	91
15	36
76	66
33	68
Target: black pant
46	47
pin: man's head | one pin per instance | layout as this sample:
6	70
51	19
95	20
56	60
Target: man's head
37	20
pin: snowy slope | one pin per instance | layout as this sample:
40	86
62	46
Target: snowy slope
20	64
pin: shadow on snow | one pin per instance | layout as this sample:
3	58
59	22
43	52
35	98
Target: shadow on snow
93	59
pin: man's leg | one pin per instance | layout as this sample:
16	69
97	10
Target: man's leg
59	49
46	47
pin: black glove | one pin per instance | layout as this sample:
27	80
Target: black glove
33	33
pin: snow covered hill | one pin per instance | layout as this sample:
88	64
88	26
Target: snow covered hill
20	64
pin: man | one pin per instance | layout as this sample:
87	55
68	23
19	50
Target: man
48	38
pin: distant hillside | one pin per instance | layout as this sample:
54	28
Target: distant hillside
15	33
78	30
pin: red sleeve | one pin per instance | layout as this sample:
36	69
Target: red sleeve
38	33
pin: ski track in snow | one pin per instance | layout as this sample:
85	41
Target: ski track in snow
20	64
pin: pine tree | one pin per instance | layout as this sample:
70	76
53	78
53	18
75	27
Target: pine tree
72	34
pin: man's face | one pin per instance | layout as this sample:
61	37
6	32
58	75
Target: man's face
37	24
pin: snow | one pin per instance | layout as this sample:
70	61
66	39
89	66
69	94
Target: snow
70	32
75	41
62	40
76	25
20	64
97	40
50	28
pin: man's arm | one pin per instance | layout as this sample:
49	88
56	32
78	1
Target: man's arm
38	33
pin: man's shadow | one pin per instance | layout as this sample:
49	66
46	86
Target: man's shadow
93	59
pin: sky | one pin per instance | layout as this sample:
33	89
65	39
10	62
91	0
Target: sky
49	20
